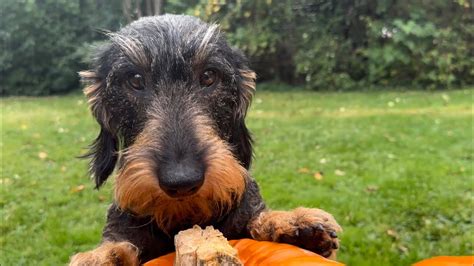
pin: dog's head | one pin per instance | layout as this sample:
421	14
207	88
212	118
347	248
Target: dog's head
171	96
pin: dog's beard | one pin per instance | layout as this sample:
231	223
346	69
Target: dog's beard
137	190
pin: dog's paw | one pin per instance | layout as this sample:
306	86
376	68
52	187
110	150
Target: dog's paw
108	254
311	229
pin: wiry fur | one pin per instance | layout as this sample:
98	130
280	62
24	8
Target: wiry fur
181	148
104	149
137	187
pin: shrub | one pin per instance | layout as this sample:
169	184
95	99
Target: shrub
43	41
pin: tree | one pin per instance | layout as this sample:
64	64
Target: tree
323	44
133	10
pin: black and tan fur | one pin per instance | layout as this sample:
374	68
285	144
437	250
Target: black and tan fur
180	144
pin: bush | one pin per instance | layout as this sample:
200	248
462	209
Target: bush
324	44
417	53
345	45
42	44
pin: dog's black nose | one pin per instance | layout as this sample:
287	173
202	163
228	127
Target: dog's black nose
181	179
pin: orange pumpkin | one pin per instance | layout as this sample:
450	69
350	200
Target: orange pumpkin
447	261
252	252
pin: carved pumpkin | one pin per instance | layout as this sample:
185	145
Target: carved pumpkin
252	253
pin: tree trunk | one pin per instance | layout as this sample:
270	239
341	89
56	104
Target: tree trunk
138	8
126	9
159	7
149	11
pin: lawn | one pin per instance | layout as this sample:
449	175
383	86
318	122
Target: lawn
395	169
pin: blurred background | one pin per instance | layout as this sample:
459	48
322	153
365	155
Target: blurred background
321	44
364	108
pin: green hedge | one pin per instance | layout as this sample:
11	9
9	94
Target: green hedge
345	44
324	44
44	42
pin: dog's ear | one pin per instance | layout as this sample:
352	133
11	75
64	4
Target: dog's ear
103	151
240	136
103	155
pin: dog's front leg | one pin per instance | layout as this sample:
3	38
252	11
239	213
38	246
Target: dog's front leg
311	229
109	254
126	240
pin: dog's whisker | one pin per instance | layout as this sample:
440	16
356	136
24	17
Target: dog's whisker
143	225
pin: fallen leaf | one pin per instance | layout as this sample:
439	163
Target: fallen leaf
389	138
42	155
78	188
402	248
63	168
101	198
303	170
392	233
371	188
5	181
445	97
318	175
339	172
323	161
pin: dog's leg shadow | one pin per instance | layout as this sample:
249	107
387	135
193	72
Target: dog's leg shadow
311	229
108	254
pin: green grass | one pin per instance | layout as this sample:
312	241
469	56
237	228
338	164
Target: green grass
397	172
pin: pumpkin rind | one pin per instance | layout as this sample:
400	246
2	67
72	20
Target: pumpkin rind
447	261
252	253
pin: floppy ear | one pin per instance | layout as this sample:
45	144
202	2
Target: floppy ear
240	137
103	151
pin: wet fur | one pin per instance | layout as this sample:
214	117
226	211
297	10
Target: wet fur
174	120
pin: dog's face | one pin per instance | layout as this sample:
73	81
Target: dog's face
171	96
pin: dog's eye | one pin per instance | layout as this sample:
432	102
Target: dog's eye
208	78
136	82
